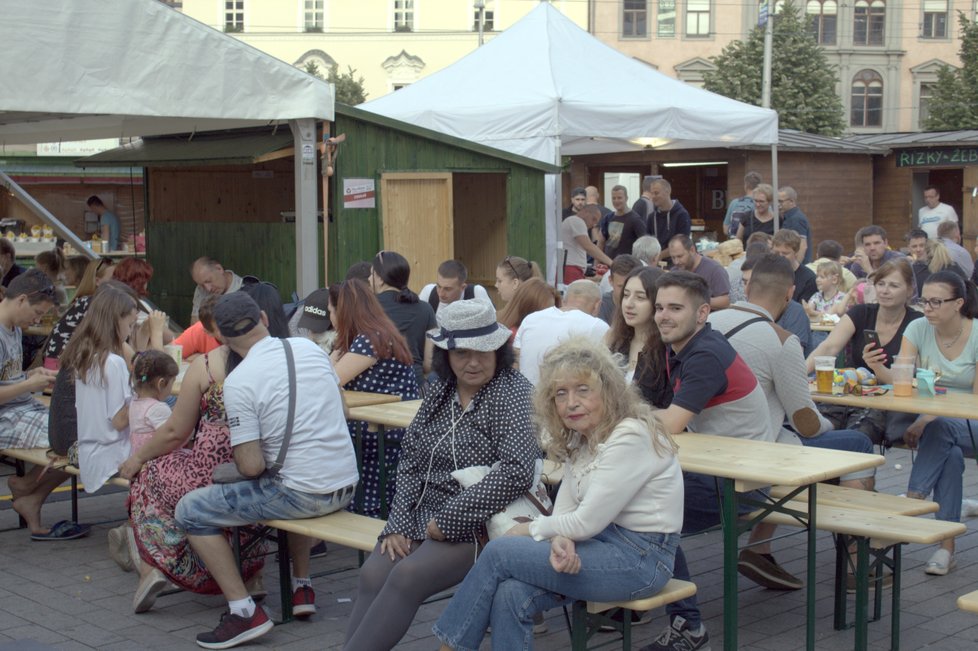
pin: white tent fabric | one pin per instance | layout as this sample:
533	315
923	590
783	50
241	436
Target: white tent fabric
84	69
546	88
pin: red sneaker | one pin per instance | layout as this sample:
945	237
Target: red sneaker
303	602
234	630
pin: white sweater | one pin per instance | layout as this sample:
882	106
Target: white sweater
623	481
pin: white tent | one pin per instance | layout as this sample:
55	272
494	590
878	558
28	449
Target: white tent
546	88
85	69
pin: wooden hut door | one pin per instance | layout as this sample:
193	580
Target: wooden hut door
416	211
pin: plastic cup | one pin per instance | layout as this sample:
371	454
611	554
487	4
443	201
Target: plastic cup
824	373
175	351
902	373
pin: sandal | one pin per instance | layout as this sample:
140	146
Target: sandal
63	530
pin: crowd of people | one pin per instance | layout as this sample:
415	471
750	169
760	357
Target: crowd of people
603	376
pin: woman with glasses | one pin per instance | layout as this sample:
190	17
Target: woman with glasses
946	342
888	318
512	271
762	221
389	276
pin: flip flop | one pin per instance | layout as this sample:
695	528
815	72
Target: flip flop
63	530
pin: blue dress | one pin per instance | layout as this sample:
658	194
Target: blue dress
391	377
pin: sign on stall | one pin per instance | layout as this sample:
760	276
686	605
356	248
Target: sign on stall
359	193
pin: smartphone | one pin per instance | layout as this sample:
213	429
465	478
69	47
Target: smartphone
872	337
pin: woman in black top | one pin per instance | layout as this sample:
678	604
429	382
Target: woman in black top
389	275
762	219
889	317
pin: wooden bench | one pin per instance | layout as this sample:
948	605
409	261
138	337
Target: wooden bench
854	498
969	602
588	617
883	533
40	457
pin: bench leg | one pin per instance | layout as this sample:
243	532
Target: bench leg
20	470
862	593
285	575
895	608
579	626
74	498
841	594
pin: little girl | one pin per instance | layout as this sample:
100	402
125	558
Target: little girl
829	299
153	374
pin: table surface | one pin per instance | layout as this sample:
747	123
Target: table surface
356	399
822	327
754	462
951	404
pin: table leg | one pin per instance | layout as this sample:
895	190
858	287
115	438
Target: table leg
285	575
728	512
810	587
358	436
895	608
841	565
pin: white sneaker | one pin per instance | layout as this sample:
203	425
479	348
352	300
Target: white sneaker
969	508
940	563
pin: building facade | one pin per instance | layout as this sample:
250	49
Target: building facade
390	43
887	52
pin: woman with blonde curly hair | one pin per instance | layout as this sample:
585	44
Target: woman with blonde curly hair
616	520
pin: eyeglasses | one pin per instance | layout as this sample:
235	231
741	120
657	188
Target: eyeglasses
932	303
508	261
44	291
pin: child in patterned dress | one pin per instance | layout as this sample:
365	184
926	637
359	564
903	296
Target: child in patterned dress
829	299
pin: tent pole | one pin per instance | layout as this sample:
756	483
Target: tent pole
774	182
306	245
325	174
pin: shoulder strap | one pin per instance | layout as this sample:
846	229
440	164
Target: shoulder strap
433	299
757	319
273	471
469	292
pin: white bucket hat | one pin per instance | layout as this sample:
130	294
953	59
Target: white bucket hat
470	325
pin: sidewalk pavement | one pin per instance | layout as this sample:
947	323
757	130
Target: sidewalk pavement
71	595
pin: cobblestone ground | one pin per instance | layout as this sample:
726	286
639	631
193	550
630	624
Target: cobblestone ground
71	595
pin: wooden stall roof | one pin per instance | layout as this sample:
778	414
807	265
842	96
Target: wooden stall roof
239	147
905	140
791	140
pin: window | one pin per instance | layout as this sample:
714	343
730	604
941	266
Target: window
233	15
314	15
403	15
822	16
698	18
634	18
923	103
867	99
488	24
935	19
666	19
868	22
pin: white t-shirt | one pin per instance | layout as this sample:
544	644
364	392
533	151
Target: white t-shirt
956	374
930	218
101	447
541	331
256	396
569	229
479	293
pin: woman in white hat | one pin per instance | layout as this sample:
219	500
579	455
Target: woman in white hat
479	414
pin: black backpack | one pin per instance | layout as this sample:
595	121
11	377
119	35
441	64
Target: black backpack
62	417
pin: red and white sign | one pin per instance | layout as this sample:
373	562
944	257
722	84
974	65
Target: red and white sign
359	193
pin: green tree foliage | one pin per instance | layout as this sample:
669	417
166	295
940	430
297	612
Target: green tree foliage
349	87
802	81
954	104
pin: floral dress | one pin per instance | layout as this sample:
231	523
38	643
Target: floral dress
155	491
390	377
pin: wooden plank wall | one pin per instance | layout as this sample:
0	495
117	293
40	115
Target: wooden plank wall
260	249
247	193
893	207
67	203
424	245
480	218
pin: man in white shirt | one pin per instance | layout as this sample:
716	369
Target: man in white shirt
451	286
318	475
934	212
541	331
575	234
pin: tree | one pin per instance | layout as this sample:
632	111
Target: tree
349	87
802	81
954	104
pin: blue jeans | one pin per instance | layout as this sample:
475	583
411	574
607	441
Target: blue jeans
848	440
701	511
513	580
939	465
207	511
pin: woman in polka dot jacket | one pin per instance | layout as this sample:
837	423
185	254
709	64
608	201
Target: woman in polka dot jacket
479	414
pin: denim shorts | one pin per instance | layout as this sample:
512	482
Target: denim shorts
206	511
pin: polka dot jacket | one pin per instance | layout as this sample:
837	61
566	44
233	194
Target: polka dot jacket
496	426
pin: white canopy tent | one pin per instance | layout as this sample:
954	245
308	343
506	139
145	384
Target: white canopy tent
546	88
85	69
